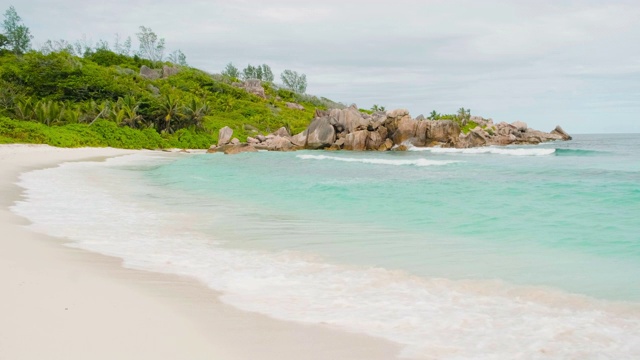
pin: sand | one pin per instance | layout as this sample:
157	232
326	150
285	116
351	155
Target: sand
58	302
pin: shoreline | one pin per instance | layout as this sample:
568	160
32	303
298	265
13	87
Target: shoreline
69	303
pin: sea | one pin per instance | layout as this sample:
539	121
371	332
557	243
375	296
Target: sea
516	252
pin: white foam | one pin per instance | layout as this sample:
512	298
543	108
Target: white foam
91	204
394	162
487	150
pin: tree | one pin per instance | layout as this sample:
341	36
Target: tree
18	36
377	108
4	41
122	48
434	115
464	114
261	72
267	74
178	58
151	47
231	71
83	46
294	81
56	46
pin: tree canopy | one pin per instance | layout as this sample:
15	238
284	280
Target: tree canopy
18	36
294	81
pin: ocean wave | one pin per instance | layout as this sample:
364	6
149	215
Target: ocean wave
578	152
394	162
488	150
429	317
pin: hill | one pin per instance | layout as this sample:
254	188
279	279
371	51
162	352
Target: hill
109	99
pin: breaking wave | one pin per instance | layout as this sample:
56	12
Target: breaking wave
394	162
488	150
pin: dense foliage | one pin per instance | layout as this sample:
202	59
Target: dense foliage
75	95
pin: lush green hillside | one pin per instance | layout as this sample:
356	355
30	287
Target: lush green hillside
102	100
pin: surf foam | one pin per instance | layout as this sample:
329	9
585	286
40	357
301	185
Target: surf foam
394	162
487	150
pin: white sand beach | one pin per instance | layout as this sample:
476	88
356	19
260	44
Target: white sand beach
58	302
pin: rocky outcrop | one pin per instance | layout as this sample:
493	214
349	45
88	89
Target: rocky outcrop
169	71
560	132
443	132
356	140
224	135
350	129
294	106
240	148
320	134
473	138
253	86
151	74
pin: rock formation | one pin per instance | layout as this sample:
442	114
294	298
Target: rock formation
350	129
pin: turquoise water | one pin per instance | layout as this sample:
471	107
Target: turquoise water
569	219
492	253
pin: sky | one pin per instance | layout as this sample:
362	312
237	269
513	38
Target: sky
575	63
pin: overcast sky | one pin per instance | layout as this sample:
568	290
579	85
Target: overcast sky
546	62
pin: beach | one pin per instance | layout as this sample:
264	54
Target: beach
60	302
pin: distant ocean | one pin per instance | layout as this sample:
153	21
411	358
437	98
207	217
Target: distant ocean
528	252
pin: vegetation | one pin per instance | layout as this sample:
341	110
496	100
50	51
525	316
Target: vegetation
261	72
16	35
86	94
294	81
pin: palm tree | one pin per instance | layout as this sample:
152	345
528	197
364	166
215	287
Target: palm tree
24	109
434	115
168	112
101	109
194	113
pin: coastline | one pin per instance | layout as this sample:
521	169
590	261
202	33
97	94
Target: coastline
72	304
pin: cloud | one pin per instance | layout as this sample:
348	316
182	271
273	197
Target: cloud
545	61
294	14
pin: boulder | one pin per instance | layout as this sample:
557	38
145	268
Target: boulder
520	125
502	140
151	74
294	106
237	149
153	89
405	130
299	139
443	131
356	140
224	135
349	120
422	132
235	141
254	86
320	134
397	113
252	141
386	145
420	117
281	132
278	143
560	132
169	71
472	139
374	140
